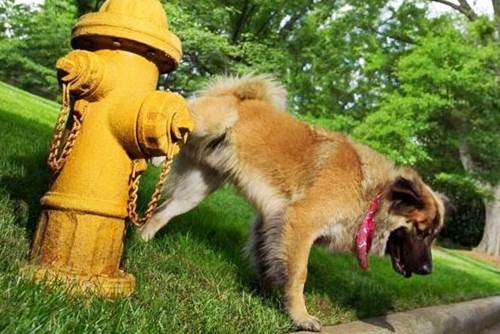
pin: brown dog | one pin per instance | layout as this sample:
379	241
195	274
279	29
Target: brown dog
306	185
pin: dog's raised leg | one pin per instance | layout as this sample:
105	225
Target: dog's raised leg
188	184
298	240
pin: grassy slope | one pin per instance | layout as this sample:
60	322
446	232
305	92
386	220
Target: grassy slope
193	277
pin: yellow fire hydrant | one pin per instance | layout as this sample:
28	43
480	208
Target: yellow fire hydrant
117	119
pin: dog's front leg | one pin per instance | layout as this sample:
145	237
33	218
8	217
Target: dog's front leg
188	184
298	241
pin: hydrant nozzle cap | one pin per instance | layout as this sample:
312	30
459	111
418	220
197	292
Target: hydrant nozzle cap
141	26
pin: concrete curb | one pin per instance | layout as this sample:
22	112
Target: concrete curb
476	316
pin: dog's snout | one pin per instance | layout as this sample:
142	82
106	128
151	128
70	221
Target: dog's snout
424	269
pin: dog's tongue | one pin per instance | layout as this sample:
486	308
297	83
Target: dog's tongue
364	235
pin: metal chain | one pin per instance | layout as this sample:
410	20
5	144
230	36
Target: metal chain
57	157
134	189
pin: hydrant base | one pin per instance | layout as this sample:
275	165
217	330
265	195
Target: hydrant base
122	285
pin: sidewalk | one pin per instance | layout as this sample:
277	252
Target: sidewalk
481	316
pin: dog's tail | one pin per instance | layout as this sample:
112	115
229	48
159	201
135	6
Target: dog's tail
249	87
214	109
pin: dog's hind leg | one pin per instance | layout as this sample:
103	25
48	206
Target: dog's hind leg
298	239
265	250
279	249
254	246
188	184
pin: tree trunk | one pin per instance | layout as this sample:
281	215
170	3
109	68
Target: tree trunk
490	242
496	11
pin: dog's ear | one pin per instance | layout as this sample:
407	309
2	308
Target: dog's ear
406	196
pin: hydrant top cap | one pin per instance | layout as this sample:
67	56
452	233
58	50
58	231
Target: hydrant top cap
144	22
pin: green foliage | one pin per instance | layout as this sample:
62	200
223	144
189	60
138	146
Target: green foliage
395	127
34	40
448	94
20	70
220	38
466	218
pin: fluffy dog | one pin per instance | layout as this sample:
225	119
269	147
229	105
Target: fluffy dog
305	184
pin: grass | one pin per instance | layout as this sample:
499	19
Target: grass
193	277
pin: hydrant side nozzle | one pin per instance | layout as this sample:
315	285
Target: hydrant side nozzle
66	70
163	124
84	72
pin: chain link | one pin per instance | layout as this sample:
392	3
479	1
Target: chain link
57	157
134	190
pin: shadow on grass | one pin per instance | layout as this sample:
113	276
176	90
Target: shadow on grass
25	176
228	240
334	277
330	275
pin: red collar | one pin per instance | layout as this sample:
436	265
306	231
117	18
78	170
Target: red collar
364	235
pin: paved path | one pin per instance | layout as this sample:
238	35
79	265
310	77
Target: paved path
481	316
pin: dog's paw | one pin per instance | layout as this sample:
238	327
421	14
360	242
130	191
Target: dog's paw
307	323
146	233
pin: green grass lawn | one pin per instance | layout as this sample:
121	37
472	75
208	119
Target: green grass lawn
193	277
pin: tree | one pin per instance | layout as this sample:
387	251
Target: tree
446	112
34	40
490	242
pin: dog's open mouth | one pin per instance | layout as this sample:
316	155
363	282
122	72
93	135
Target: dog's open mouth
395	248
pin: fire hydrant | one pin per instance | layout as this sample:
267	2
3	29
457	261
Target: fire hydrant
116	120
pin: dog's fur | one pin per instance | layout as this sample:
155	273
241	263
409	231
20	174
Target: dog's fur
306	185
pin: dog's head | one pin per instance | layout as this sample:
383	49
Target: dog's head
415	215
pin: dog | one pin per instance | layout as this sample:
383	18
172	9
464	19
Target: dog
306	185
